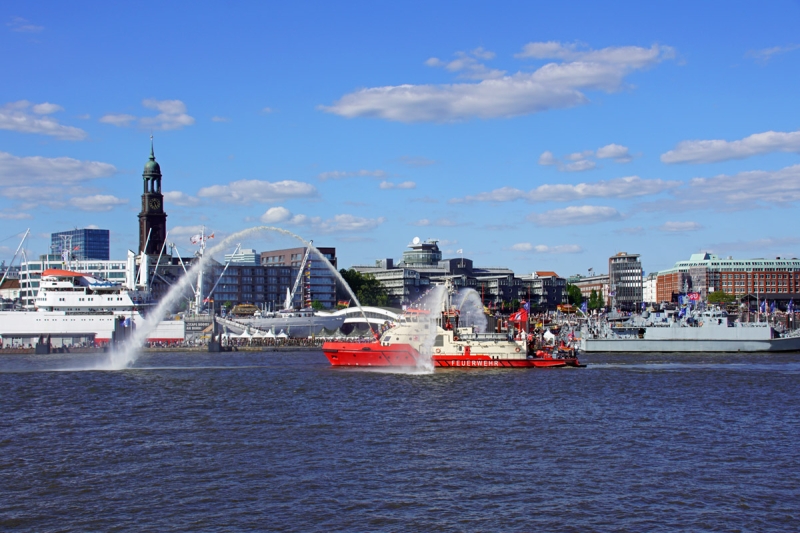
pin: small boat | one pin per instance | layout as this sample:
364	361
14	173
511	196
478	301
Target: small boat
421	338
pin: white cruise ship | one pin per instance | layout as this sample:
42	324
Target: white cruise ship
74	308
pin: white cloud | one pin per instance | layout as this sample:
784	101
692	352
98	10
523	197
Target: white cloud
547	158
712	151
17	116
274	215
765	54
680	227
417	161
257	191
441	222
617	152
117	120
578	156
628	56
14	215
549	87
575	215
746	189
628	187
267	110
580	166
180	198
172	116
545	249
46	108
220	119
21	25
337	175
97	202
402	185
55	170
349	223
467	65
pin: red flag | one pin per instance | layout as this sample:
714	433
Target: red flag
520	316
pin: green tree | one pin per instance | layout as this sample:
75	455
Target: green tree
316	304
720	297
574	295
595	300
368	290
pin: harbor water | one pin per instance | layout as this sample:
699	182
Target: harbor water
284	442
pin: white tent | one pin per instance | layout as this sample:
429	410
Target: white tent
270	334
282	335
548	335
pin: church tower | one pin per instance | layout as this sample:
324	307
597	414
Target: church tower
152	219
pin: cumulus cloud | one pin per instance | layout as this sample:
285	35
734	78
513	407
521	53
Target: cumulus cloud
220	119
337	224
117	120
337	175
547	158
172	115
257	191
712	151
580	161
746	189
55	170
402	185
417	161
443	222
628	187
545	249
180	198
580	166
617	152
765	54
21	25
552	86
576	215
24	117
14	215
97	202
679	227
467	65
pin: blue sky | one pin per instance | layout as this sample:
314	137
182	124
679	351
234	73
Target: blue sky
537	136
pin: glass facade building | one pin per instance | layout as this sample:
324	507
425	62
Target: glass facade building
81	244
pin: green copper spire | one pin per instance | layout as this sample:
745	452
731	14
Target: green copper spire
151	168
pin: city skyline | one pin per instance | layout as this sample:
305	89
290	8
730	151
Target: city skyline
528	136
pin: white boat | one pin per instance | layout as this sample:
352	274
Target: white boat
74	308
707	331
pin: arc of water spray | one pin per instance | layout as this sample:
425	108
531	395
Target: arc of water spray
124	356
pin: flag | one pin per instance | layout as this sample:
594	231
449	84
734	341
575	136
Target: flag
210	236
643	306
682	312
77	248
519	317
764	306
772	307
195	239
460	251
790	306
584	307
527	307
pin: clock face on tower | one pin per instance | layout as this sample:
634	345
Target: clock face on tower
155	203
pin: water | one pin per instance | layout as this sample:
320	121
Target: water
125	356
284	442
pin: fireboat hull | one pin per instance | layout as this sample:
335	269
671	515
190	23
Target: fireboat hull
375	354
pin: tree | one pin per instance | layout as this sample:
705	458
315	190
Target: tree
720	297
367	289
316	304
595	300
574	295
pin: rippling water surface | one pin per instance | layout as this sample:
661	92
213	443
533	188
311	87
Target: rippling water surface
245	441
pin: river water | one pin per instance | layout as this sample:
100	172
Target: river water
284	442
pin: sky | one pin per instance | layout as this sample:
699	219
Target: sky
528	135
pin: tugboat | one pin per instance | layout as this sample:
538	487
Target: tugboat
421	338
